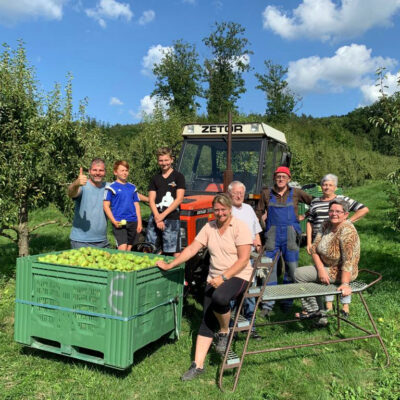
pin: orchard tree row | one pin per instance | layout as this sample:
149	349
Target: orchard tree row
43	142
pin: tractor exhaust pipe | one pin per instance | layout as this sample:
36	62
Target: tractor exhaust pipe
228	173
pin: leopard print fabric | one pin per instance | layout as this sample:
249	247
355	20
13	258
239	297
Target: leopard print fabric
339	251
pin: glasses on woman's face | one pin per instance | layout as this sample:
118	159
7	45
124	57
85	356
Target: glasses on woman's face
338	212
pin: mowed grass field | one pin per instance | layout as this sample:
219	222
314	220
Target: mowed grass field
351	370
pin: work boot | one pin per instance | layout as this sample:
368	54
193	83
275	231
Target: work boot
192	372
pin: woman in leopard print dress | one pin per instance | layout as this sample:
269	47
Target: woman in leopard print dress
335	252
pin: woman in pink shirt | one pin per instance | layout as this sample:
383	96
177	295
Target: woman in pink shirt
228	241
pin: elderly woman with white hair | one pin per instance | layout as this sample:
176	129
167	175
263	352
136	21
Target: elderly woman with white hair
318	214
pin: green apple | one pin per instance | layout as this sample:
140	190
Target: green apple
122	222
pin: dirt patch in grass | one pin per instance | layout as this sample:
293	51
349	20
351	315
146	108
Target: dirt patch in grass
307	361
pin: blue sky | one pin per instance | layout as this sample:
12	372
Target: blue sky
331	48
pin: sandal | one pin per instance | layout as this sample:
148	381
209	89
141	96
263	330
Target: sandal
308	315
344	314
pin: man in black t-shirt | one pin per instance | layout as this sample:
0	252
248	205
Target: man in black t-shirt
166	191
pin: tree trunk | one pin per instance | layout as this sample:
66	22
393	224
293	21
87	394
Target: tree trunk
23	231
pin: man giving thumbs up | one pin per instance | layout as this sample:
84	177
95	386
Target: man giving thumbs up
89	227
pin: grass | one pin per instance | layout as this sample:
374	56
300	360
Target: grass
343	371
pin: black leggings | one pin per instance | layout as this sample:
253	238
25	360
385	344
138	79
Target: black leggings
218	300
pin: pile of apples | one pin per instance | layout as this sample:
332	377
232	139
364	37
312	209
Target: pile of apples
91	257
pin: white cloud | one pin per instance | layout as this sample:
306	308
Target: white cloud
14	11
115	101
147	106
326	20
371	92
147	17
109	9
351	67
153	57
189	1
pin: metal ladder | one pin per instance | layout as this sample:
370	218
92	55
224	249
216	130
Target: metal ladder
231	359
295	290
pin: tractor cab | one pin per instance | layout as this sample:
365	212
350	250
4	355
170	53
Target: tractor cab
257	149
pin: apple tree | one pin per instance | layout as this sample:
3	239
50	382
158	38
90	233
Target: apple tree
42	146
389	120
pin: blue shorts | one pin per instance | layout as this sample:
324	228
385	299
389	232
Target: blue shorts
168	239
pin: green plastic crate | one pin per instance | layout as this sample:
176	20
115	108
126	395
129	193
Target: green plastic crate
302	208
95	315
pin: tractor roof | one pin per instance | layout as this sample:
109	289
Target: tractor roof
253	129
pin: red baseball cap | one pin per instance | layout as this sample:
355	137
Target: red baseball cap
284	170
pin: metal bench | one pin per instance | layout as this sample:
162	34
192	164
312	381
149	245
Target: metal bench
294	291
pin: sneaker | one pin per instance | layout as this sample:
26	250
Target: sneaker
192	372
254	335
222	343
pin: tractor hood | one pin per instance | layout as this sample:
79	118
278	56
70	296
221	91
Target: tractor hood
196	205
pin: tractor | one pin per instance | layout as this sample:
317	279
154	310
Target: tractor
212	155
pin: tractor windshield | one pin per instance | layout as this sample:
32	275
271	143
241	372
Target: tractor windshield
203	163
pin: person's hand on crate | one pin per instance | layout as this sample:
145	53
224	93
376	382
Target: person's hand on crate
163	265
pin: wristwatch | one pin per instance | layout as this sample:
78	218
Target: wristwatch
224	278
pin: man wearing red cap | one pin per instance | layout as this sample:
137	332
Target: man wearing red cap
282	230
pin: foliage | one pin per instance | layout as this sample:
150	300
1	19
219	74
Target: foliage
323	145
177	78
358	123
390	122
318	150
42	146
224	70
281	101
158	130
393	192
